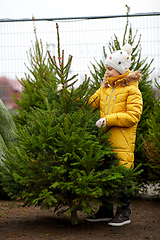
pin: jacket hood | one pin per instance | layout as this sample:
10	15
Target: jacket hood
123	80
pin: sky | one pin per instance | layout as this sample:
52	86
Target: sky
70	8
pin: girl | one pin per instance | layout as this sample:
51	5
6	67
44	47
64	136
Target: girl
120	103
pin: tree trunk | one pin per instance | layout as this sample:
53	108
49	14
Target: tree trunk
74	218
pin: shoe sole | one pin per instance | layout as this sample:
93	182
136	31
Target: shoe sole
119	224
98	220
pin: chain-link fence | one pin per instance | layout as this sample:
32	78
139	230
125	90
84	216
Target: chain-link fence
83	38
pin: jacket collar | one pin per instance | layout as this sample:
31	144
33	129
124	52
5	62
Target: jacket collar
113	81
123	80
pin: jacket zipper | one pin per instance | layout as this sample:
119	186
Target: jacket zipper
110	100
114	103
105	103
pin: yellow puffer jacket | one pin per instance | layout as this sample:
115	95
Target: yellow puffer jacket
120	102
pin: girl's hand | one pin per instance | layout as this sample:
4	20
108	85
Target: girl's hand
100	122
59	87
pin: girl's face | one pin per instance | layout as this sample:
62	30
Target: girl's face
111	72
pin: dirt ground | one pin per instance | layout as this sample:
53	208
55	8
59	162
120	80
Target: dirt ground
17	222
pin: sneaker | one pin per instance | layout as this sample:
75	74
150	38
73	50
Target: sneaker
101	216
121	218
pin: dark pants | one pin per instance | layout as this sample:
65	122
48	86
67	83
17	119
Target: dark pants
125	201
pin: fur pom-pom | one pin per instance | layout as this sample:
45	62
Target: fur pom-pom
127	48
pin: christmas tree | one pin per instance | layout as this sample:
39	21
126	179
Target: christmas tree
40	71
7	130
145	86
152	146
61	158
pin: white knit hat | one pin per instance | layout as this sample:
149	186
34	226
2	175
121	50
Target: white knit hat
121	59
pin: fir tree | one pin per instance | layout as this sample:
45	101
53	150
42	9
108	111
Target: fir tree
7	130
145	86
152	146
61	158
40	71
